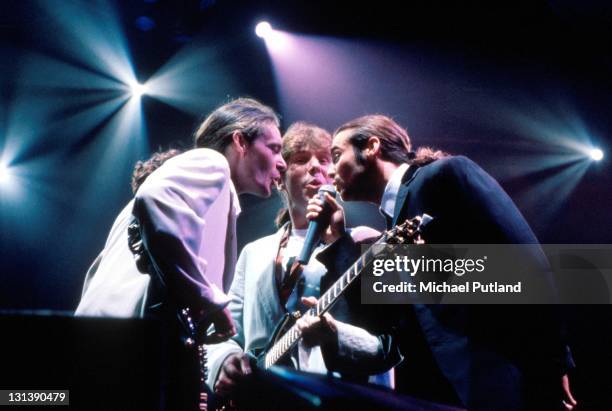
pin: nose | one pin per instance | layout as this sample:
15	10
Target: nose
314	166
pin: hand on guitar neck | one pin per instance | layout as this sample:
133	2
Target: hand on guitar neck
317	330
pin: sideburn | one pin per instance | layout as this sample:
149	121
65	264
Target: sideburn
367	178
359	157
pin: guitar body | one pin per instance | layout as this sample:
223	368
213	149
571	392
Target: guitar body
257	359
285	323
308	285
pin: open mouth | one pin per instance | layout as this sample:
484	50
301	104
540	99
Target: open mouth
314	186
316	183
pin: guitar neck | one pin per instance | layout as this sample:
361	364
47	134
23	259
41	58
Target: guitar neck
326	301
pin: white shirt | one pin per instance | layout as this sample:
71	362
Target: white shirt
294	246
387	205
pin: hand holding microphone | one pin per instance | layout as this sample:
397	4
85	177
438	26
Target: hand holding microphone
326	218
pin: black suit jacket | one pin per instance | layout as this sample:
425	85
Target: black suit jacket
483	357
480	356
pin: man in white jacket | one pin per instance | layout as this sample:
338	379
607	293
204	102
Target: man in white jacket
187	210
113	287
256	305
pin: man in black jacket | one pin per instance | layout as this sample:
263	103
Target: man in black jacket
479	357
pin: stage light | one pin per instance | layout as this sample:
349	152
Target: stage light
5	174
263	29
276	41
138	90
596	154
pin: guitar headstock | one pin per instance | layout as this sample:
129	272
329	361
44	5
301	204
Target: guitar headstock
409	232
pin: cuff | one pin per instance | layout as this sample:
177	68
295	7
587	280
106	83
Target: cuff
213	300
353	351
356	343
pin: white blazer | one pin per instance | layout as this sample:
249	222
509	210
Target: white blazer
188	209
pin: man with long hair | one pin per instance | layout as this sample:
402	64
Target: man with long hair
185	213
478	357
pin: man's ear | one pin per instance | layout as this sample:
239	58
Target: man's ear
372	148
239	142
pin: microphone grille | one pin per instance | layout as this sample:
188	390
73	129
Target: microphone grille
327	188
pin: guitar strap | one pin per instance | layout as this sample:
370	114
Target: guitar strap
285	285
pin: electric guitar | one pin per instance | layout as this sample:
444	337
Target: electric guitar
286	334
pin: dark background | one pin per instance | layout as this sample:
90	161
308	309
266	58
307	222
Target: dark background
505	83
454	71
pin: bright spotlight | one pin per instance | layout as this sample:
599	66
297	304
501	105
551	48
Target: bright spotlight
263	29
596	154
138	89
5	174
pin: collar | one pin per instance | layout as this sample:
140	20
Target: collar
387	205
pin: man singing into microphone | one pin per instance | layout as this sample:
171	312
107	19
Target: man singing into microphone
477	357
258	297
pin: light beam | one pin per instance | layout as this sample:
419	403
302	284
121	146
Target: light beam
5	174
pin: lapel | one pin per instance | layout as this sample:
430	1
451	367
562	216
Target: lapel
268	296
403	192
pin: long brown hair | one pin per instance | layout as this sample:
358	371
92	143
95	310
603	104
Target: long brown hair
243	114
395	143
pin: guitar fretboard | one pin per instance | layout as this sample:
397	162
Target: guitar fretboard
326	301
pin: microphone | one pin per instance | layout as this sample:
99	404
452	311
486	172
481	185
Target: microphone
317	226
